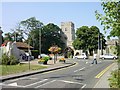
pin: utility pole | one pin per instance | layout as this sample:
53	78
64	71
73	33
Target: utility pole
101	47
40	42
98	44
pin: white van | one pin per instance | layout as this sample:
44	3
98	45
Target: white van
81	56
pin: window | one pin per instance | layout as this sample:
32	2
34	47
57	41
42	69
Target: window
65	29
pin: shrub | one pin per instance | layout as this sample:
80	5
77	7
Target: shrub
13	60
46	58
114	80
8	60
5	60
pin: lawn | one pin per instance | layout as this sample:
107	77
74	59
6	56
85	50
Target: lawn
12	69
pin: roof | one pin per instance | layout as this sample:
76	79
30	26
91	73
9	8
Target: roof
112	42
19	44
23	45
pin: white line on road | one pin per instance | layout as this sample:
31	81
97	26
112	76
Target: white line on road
70	82
36	82
45	83
83	86
79	69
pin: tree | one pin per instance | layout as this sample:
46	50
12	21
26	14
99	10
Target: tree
8	36
51	35
87	39
111	21
31	28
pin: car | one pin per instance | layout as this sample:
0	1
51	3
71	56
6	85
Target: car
44	55
108	56
81	56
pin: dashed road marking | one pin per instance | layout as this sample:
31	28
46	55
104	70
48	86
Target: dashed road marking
79	69
36	83
45	83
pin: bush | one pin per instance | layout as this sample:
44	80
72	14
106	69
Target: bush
46	58
43	60
114	80
5	60
8	60
13	60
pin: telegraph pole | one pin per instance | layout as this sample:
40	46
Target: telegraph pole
98	44
40	42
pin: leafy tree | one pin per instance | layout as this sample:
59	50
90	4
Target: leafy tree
31	28
51	35
87	39
111	21
8	36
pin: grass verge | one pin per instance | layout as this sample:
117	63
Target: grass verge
13	69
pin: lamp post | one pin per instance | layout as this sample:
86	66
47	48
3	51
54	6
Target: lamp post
29	51
39	41
98	44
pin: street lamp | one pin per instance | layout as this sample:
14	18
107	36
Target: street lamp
98	44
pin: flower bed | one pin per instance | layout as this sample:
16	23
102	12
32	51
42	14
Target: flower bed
43	60
62	60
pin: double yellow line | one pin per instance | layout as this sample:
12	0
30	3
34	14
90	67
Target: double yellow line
102	72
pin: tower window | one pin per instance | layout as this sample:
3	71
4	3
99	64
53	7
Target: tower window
65	29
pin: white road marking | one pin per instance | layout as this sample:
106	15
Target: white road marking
36	82
79	69
45	83
91	65
83	86
70	82
13	84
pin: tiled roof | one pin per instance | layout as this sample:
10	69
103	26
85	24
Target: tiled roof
19	44
112	42
22	45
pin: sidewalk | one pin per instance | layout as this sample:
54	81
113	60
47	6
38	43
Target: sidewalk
103	82
50	66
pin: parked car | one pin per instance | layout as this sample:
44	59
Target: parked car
81	56
44	55
108	56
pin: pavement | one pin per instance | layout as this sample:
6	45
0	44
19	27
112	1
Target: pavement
102	83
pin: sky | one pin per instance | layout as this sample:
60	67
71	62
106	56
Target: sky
80	13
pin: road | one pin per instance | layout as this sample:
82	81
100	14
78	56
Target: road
82	75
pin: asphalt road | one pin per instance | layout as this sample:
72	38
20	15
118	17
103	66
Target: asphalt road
81	75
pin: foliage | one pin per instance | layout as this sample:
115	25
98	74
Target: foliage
51	35
111	18
8	60
31	28
15	34
5	60
87	38
114	79
8	36
43	60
